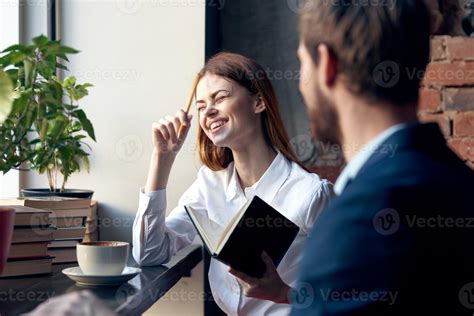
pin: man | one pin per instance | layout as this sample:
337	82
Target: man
397	240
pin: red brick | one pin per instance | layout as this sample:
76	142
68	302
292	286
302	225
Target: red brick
467	148
464	124
430	100
459	99
449	74
454	144
438	48
460	48
442	120
463	147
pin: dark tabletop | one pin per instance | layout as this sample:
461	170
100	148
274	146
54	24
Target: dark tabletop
22	294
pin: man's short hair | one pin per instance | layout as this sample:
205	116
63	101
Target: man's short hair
381	46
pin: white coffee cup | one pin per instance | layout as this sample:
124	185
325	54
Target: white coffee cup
102	257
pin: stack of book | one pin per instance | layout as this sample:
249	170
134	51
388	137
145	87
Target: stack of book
73	220
29	249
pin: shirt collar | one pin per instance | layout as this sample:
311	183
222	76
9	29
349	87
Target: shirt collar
353	167
268	184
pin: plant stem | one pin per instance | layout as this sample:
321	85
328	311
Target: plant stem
55	173
50	180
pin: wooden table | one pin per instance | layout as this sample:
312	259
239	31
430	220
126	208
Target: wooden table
22	294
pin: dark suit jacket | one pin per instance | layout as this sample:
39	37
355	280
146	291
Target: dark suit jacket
399	240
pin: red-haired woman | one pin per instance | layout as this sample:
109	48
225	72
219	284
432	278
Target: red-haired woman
245	151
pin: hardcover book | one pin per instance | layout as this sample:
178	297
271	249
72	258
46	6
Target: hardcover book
257	227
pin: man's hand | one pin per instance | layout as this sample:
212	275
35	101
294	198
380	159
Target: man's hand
270	287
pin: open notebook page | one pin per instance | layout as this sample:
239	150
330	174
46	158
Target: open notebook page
210	230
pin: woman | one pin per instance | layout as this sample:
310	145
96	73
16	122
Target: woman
245	151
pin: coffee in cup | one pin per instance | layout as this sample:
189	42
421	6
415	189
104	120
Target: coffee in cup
102	257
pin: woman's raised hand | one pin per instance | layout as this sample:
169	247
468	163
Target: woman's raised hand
166	138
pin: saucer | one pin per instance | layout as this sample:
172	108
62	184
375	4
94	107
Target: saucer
76	274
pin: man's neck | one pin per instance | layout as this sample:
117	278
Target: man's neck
361	123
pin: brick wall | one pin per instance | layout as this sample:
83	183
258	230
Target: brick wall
447	95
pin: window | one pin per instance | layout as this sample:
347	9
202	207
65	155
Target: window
9	34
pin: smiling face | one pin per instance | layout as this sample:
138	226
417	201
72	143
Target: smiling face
228	113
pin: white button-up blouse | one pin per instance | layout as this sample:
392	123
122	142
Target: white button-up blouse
297	194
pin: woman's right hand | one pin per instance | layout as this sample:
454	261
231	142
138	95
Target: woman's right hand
166	145
166	141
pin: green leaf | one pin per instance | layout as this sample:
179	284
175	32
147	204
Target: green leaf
6	96
61	66
62	56
78	93
13	47
86	124
48	68
69	82
40	41
85	161
87	145
26	49
20	103
12	58
43	129
67	50
29	72
56	128
66	153
79	137
56	91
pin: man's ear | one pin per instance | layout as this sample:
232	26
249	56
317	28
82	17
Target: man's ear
260	105
327	66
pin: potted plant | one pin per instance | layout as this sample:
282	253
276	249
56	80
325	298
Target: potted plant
45	129
7	215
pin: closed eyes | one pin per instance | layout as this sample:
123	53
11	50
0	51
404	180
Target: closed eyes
218	100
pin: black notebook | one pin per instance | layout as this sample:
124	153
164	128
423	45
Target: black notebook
255	228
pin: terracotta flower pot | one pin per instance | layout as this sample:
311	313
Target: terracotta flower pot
7	219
